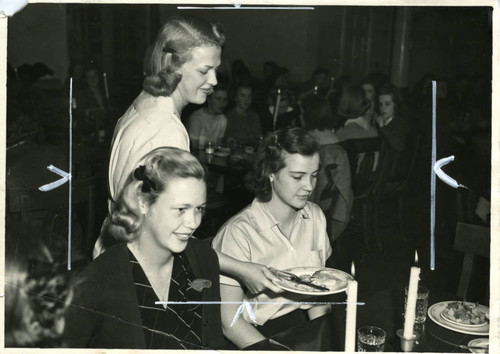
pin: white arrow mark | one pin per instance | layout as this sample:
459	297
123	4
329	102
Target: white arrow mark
442	175
65	178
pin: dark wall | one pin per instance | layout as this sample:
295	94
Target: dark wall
38	34
353	40
288	37
450	41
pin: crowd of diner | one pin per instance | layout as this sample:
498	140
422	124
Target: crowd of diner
152	190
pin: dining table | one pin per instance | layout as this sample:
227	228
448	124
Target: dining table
233	163
383	309
227	170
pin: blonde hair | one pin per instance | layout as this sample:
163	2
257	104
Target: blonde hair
155	170
173	46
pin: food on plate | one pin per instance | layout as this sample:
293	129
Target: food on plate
466	313
322	277
332	279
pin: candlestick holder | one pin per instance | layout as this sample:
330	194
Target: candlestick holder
407	343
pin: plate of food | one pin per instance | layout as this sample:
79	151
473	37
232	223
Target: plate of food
461	316
467	314
312	280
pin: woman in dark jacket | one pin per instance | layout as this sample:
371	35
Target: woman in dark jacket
156	260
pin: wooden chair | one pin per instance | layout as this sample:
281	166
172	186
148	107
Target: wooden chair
365	160
474	241
396	169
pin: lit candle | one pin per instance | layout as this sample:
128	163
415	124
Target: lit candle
275	115
106	91
411	301
315	90
350	323
332	80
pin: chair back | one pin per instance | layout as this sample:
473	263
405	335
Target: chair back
397	167
333	192
474	241
365	160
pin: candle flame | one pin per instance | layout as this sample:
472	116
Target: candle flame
279	92
353	269
416	257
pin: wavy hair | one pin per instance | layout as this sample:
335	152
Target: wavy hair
148	181
352	103
271	157
38	290
397	98
173	47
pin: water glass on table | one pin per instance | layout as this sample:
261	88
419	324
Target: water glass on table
421	308
371	339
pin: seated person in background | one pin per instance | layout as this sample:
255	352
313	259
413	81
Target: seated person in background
37	290
283	83
43	77
352	107
243	124
370	89
92	96
318	119
318	84
156	259
91	103
286	116
391	122
280	229
208	124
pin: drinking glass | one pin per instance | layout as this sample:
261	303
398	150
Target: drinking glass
371	339
421	309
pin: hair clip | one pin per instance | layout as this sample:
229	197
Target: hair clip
139	172
147	184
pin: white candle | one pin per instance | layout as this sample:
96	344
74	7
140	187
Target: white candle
350	323
332	80
106	91
275	115
411	301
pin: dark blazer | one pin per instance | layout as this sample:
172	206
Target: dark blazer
396	133
105	310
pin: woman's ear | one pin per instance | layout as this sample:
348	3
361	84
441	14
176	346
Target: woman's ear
143	204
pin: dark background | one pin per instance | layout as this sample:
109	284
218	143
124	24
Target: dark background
404	42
